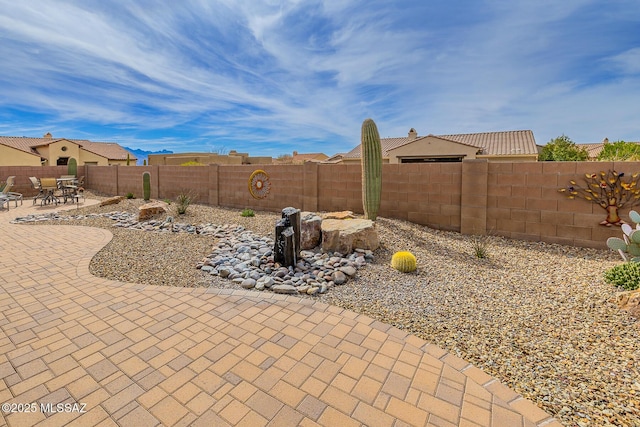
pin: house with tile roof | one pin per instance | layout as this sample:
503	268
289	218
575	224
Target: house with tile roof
50	151
595	148
507	146
301	158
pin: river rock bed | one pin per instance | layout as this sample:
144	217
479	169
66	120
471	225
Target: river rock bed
240	255
247	260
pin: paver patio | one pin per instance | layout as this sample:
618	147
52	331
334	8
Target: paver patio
136	355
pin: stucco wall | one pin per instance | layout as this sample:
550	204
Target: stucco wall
13	157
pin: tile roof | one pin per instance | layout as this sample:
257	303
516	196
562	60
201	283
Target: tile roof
109	150
493	143
309	156
595	148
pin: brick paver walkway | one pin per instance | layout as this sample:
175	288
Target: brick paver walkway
134	355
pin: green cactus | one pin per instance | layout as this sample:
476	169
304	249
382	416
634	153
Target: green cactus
128	159
404	261
371	160
72	167
146	185
630	242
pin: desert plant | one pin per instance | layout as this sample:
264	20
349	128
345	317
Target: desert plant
146	185
630	242
247	213
404	261
72	167
144	162
192	163
371	161
128	159
611	191
479	246
626	276
130	196
182	202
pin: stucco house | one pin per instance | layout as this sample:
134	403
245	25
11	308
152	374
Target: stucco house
50	151
506	146
301	158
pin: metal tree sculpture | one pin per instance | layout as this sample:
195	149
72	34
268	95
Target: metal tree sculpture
609	191
259	184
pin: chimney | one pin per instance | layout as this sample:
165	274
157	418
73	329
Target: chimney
412	134
48	135
605	141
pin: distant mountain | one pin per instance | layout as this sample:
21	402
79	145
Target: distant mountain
142	155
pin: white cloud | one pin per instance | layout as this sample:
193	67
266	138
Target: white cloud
274	72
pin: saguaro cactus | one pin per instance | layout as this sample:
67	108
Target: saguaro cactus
72	167
146	185
371	160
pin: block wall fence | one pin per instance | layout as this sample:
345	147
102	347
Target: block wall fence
516	200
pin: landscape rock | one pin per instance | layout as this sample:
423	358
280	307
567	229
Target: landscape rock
344	236
248	283
111	200
630	302
148	210
310	230
284	289
338	215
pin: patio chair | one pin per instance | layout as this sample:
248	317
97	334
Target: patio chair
49	187
11	195
35	184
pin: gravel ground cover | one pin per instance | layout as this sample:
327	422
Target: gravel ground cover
536	316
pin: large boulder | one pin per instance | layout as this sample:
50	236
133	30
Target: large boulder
310	231
338	215
148	210
630	301
111	200
345	236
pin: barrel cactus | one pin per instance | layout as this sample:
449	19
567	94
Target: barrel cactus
72	167
371	160
146	185
630	242
404	261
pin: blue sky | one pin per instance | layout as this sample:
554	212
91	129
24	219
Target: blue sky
269	77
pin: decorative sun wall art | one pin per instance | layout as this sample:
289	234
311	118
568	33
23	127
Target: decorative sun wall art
259	184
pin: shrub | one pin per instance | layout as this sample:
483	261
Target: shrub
130	196
626	276
192	163
562	149
479	247
182	202
404	261
247	212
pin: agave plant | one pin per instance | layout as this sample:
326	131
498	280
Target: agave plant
630	242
